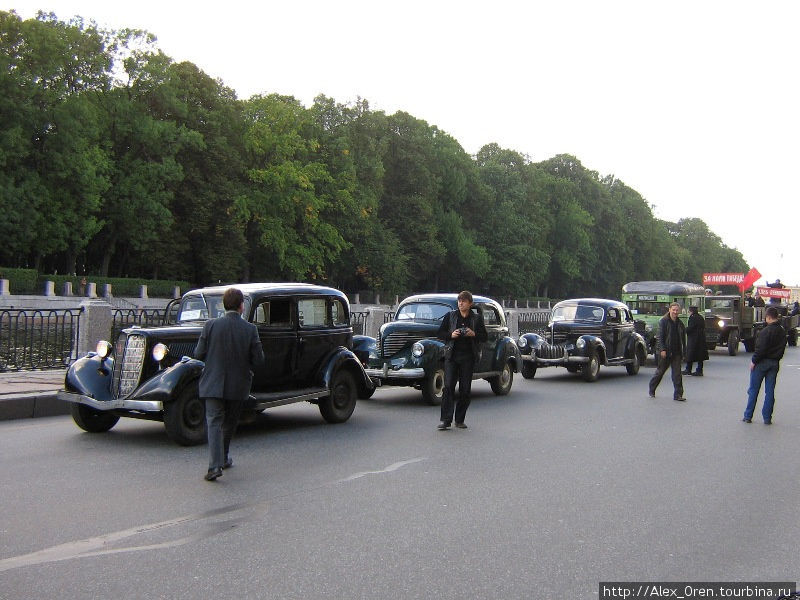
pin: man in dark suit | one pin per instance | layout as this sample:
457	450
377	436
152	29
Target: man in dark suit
230	348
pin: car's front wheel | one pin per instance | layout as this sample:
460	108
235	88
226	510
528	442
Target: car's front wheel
633	367
91	420
341	402
590	369
185	418
528	369
433	387
501	384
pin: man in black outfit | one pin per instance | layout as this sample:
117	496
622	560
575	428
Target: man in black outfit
230	347
464	332
696	350
671	349
764	366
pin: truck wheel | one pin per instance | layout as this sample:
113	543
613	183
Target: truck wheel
733	343
501	384
91	420
341	402
591	369
528	370
633	368
185	418
433	387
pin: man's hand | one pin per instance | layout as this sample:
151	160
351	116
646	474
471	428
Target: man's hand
752	366
663	354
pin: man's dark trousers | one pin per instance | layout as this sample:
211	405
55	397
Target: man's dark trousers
222	417
673	362
457	369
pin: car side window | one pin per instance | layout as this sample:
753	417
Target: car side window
490	316
312	312
276	312
613	315
339	313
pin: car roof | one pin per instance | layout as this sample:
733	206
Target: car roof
604	302
255	289
451	299
674	288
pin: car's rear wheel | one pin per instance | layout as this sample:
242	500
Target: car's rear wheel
91	420
733	343
590	369
528	370
433	387
633	368
185	418
341	402
501	384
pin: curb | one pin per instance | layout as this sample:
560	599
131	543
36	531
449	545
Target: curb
32	405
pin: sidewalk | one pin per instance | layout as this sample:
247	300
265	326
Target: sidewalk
27	394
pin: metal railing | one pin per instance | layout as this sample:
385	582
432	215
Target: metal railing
125	317
358	319
533	322
38	339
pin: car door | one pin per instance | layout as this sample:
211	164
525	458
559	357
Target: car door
276	320
323	326
495	332
611	331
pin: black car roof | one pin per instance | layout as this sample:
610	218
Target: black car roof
450	299
673	288
603	302
256	289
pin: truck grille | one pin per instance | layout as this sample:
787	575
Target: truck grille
549	351
129	356
395	342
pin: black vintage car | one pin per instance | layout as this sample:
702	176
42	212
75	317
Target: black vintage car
583	334
149	373
408	353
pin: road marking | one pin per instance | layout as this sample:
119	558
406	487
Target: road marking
389	469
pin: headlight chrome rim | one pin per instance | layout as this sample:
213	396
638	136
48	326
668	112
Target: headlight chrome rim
103	348
418	349
160	352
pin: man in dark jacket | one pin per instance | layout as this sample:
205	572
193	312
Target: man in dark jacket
230	348
670	348
770	344
696	350
464	332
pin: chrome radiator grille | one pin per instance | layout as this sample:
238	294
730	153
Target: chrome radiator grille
129	356
395	342
548	351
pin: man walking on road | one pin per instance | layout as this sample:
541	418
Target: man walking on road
230	347
670	349
770	345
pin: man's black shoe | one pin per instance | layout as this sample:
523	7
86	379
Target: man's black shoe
461	425
213	474
698	373
685	372
768	422
652	394
680	399
443	425
228	463
746	420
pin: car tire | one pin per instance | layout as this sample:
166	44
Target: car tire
733	343
528	370
501	384
341	402
591	369
91	420
185	418
433	387
633	368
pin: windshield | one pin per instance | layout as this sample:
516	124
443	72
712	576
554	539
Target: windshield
200	307
426	312
578	312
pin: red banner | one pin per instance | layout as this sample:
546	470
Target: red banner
722	278
749	279
768	292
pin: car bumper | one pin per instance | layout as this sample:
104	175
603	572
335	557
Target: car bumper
118	404
561	360
387	373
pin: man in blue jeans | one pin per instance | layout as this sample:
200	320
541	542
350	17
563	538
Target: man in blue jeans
770	344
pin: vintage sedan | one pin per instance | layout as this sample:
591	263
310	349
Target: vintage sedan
408	353
583	334
149	373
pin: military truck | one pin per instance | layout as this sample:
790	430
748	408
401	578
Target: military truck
729	320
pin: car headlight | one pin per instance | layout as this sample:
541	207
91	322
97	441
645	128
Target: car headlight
720	323
103	348
159	352
580	344
648	328
417	349
522	343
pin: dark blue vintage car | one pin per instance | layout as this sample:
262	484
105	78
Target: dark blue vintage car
583	334
149	373
408	353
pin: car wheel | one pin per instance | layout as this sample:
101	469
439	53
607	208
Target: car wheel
501	384
528	370
340	403
733	343
633	368
590	369
185	418
91	420
433	387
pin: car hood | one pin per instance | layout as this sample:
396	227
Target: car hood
415	327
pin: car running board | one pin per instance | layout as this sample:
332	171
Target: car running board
268	400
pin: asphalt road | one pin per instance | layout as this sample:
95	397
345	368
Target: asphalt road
553	488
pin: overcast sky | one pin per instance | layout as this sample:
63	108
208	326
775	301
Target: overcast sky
691	103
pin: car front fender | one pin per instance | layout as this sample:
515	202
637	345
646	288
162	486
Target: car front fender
90	376
507	351
342	358
168	383
593	344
